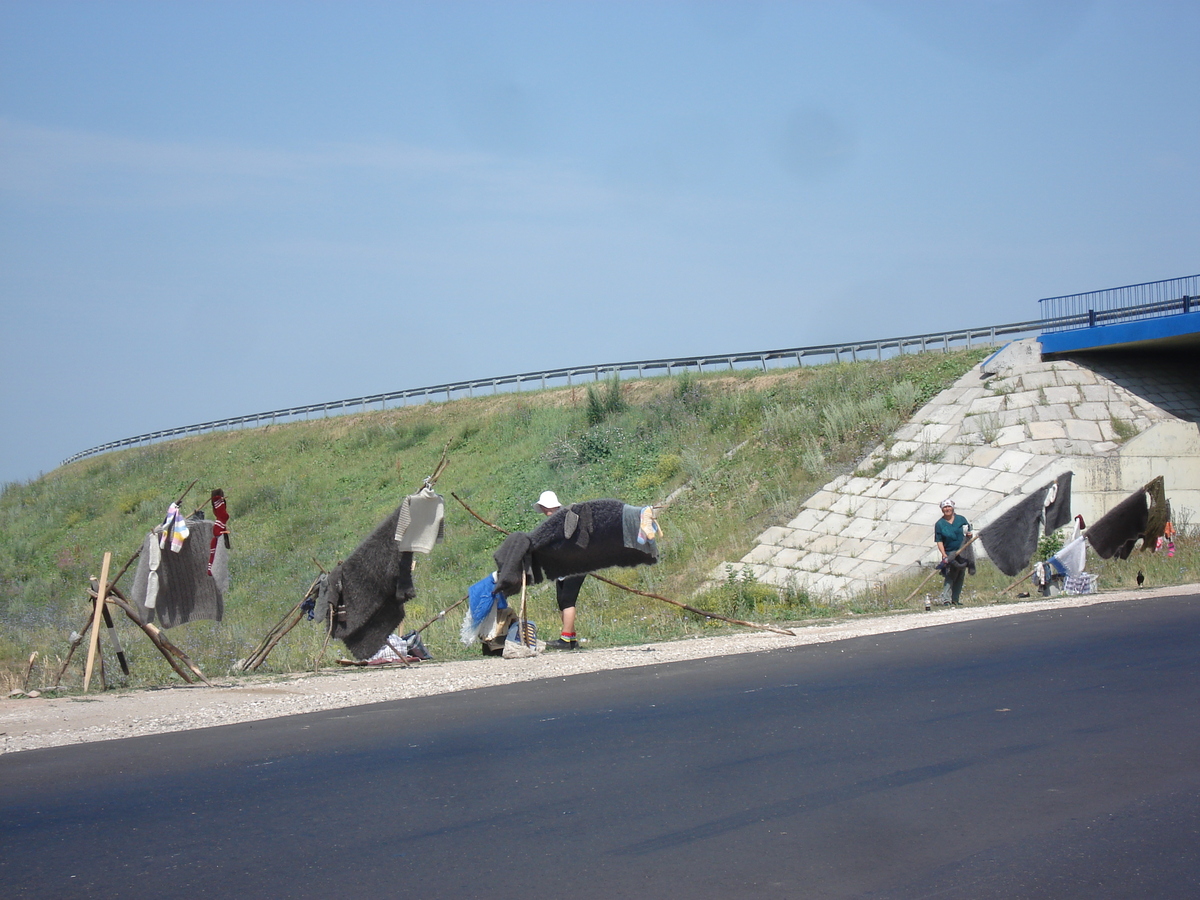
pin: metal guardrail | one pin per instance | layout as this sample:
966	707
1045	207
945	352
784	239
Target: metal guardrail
1078	311
1148	300
919	343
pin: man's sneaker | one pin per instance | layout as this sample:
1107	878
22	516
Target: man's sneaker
560	644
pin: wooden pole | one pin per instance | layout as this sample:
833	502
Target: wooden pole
325	644
75	645
97	611
29	670
179	502
117	577
523	627
277	634
71	652
156	634
924	582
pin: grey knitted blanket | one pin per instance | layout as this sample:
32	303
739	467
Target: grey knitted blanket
185	590
1012	539
367	592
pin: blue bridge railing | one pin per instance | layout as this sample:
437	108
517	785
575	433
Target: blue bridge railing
1121	304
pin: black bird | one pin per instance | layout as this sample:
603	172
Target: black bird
1141	578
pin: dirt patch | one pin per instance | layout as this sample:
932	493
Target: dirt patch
29	724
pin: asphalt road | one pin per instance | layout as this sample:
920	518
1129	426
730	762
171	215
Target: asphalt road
1053	754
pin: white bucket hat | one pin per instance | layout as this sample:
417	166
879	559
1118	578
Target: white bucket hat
548	500
945	503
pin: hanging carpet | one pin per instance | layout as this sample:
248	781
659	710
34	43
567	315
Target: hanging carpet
582	538
1012	539
367	592
177	587
1117	531
1058	510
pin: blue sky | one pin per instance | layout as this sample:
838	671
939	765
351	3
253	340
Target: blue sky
297	202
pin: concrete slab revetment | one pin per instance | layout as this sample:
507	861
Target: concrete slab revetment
1048	418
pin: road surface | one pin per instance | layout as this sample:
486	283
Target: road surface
1052	754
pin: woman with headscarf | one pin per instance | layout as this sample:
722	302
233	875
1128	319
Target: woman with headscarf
950	533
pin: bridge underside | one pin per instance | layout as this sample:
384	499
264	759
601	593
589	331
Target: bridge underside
1177	333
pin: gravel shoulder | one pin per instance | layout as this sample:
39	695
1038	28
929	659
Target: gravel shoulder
28	724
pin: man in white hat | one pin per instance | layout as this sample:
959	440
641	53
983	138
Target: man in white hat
566	589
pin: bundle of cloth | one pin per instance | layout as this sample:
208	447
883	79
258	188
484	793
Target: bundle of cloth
488	618
1012	539
578	539
183	568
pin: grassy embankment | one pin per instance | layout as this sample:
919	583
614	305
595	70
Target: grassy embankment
750	446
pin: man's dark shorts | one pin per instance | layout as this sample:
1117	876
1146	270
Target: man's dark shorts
567	590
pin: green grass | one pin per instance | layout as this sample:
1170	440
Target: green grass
312	490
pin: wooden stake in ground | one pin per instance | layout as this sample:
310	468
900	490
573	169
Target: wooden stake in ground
325	644
97	612
29	670
523	627
155	638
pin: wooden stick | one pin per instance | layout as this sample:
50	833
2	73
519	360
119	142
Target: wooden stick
156	632
71	652
441	466
183	657
477	515
325	645
692	609
442	614
1023	578
97	611
186	490
277	634
919	586
523	626
136	554
29	670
